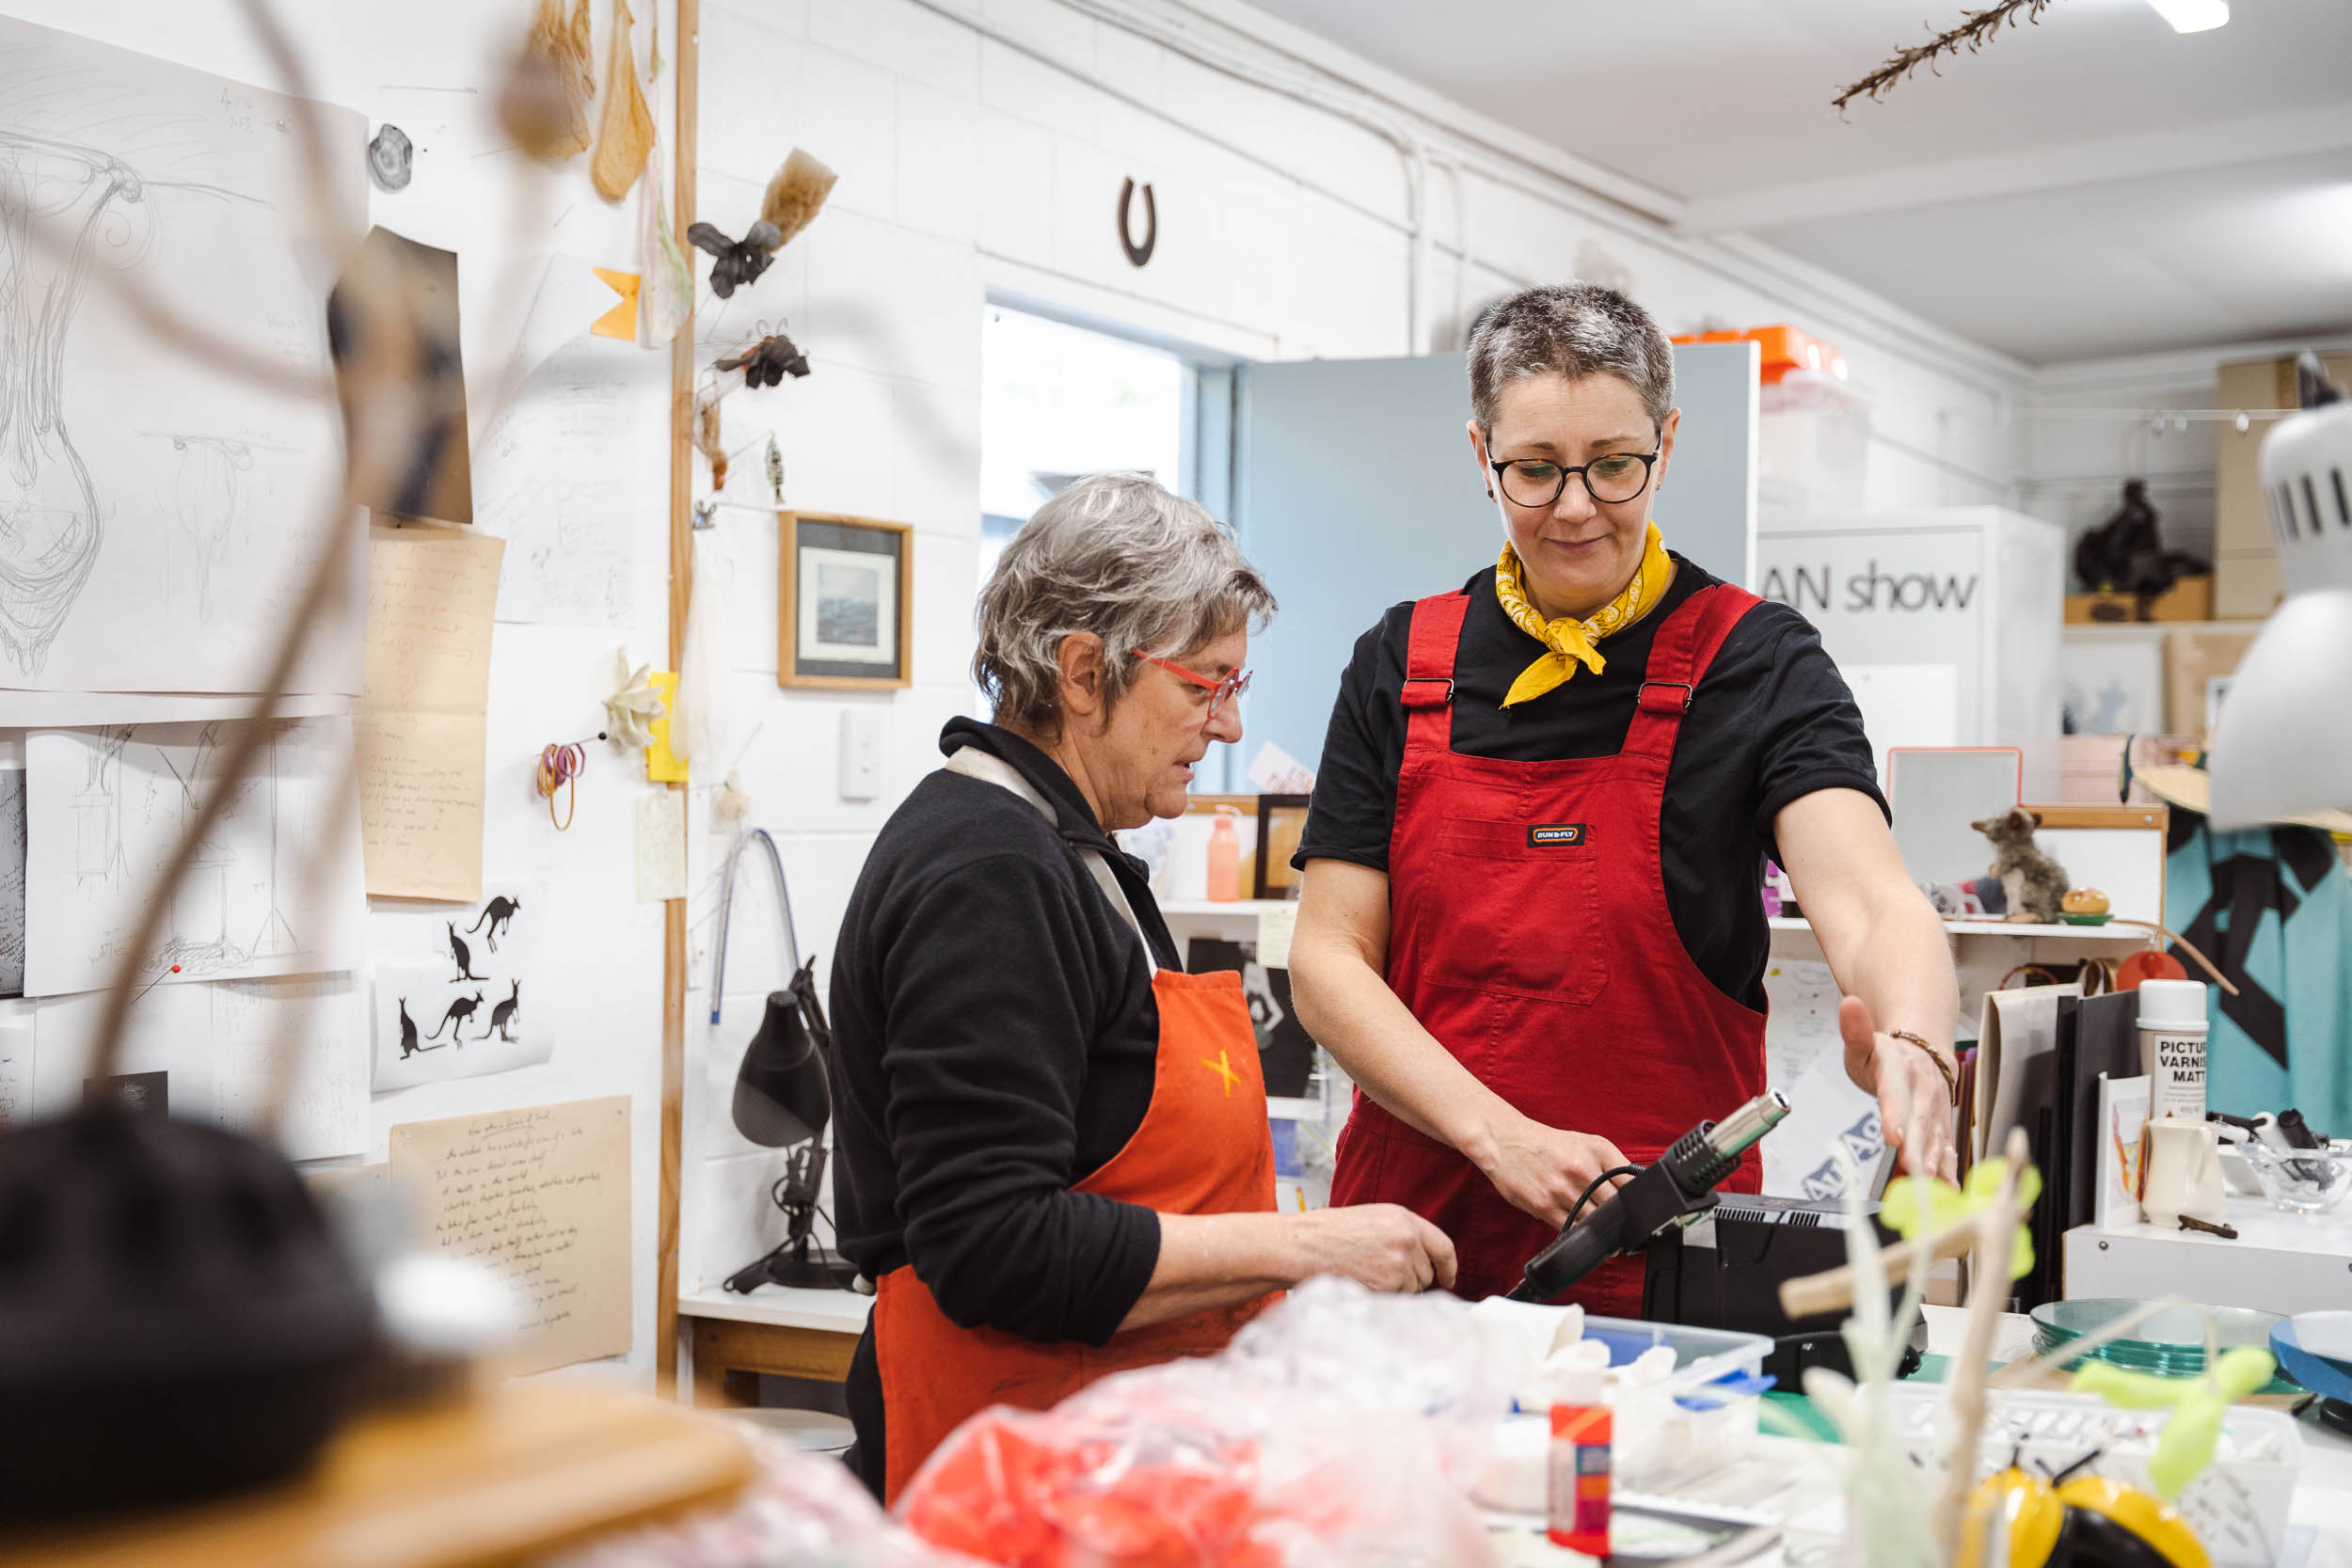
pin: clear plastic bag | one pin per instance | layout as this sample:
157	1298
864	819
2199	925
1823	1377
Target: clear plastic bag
1340	1428
801	1510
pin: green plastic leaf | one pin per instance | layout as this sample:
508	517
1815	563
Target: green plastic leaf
2198	1404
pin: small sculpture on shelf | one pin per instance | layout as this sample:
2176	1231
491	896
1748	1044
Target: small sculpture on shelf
2034	884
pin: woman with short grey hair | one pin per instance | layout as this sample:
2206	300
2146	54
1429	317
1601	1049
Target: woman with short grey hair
1051	1149
1530	926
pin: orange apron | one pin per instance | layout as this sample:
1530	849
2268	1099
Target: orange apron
1203	1147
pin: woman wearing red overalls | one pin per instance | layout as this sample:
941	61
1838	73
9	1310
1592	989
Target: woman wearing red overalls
1050	1148
1531	927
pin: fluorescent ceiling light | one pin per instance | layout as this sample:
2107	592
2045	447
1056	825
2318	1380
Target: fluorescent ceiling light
2193	16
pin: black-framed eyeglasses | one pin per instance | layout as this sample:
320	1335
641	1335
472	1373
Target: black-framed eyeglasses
1618	476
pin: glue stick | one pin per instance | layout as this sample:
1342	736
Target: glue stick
1578	1493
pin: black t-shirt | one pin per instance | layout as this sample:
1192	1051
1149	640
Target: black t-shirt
1771	721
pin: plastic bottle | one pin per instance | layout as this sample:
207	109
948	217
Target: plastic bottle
1577	1515
2172	1029
1225	858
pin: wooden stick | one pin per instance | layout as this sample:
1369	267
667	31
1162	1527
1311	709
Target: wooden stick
1997	1229
1833	1288
666	1341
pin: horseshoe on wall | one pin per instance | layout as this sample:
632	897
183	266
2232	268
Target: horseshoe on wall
1138	254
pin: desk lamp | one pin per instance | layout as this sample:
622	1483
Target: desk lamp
783	1098
2281	747
783	1101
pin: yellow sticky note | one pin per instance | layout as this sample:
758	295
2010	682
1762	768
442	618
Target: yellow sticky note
662	763
621	321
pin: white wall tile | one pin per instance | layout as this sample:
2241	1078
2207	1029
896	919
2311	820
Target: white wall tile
888	299
938	454
911	42
1016	185
752	78
939	163
1129	63
1066	33
847	116
1017	83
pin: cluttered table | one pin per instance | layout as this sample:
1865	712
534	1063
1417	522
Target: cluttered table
1794	1483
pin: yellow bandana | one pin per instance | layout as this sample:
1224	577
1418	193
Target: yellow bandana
1569	642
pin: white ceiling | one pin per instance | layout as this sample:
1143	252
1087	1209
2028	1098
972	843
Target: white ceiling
2094	186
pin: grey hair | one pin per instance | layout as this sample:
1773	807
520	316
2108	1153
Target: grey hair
1121	557
1570	329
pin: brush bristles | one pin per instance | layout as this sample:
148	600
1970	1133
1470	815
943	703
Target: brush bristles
795	193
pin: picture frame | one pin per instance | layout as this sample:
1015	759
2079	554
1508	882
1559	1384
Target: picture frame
1281	821
845	601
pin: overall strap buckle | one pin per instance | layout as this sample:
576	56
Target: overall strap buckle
1664	703
1423	693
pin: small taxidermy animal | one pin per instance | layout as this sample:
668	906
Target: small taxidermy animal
795	192
767	362
2035	885
735	263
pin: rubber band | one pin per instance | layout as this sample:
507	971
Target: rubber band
560	765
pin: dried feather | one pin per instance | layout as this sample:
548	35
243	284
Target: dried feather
626	135
794	195
1976	30
544	101
706	440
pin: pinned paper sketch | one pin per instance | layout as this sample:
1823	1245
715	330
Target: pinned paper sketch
107	809
13	846
470	1012
555	469
219	1044
144	487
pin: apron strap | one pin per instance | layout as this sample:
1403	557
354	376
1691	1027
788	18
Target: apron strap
1686	645
1429	654
972	763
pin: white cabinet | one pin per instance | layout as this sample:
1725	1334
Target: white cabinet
1946	622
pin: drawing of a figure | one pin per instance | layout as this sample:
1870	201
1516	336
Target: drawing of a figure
50	517
208	495
461	955
98	813
408	1046
453	1021
500	912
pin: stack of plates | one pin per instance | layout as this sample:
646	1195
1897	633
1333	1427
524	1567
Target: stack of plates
2169	1342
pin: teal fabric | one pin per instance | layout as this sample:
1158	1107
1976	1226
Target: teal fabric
2273	907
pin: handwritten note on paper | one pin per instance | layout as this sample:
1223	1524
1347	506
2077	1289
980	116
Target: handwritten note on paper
541	1195
660	846
431	594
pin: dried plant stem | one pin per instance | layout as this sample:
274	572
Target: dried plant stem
1976	30
1996	1232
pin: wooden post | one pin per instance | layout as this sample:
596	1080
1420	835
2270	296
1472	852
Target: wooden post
688	45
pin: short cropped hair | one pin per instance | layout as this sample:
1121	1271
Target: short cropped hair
1575	330
1121	557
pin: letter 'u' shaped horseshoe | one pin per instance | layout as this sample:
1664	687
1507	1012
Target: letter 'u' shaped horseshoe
1138	254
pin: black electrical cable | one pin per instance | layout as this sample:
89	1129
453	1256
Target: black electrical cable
1593	1185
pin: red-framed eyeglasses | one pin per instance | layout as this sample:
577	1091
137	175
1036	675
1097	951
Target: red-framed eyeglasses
1220	691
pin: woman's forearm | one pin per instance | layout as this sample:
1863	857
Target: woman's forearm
1208	1260
1899	961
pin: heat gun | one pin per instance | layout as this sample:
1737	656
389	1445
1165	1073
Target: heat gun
1674	1191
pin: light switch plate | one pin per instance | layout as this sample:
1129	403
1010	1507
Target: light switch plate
860	753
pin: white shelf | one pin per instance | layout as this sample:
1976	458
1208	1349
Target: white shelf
1240	909
834	1311
2131	934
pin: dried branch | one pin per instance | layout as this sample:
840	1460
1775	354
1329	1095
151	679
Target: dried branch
1976	30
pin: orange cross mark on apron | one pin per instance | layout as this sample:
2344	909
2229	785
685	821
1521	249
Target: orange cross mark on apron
1196	1151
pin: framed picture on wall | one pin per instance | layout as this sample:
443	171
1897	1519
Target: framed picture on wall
844	597
1281	821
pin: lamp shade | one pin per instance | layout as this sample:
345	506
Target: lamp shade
2282	746
781	1093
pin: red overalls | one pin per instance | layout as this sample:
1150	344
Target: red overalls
1528	932
1203	1147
